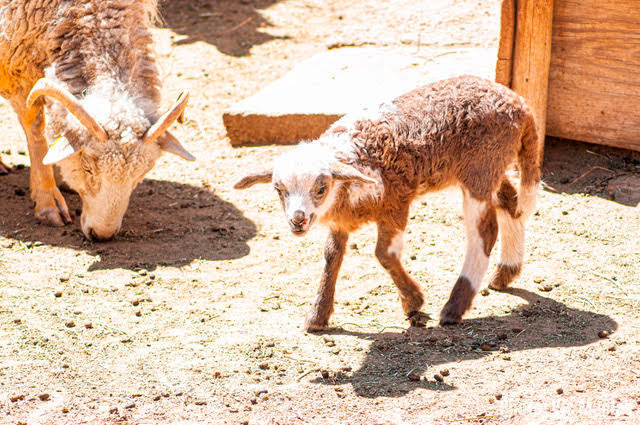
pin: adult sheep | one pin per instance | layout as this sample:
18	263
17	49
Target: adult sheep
82	74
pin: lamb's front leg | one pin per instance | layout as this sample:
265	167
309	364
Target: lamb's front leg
388	252
318	317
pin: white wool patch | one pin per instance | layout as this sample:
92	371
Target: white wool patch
397	243
511	239
367	113
475	261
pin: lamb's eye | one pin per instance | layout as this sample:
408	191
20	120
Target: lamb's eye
278	190
321	191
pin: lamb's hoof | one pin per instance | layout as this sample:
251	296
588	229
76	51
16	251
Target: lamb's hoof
418	319
315	325
503	276
449	317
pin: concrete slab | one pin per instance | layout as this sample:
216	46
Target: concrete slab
306	101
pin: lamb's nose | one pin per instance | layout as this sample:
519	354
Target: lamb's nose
298	217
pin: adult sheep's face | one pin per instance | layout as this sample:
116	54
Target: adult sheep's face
105	170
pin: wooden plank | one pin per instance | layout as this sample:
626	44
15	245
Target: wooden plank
594	82
532	55
505	48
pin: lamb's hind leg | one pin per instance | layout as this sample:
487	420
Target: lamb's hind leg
511	225
318	317
388	252
482	230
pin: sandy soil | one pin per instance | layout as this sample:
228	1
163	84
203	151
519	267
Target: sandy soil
194	313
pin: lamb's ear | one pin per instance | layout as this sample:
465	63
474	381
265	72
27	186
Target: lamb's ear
60	150
345	172
255	178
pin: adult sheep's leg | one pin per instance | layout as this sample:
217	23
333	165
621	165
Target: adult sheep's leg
318	317
3	168
51	207
482	230
388	252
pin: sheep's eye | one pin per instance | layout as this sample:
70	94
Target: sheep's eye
321	191
85	167
278	190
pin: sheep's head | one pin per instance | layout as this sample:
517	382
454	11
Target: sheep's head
105	170
306	180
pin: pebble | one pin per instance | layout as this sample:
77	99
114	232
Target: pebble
138	313
15	398
612	348
438	377
17	321
486	347
88	325
135	302
546	288
57	294
413	257
559	390
264	365
130	406
201	403
324	374
44	396
413	377
603	334
64	278
498	396
65	410
70	324
484	292
444	372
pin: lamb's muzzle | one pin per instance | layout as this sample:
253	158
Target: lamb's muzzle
370	166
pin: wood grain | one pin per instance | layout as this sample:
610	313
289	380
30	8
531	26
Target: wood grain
594	80
532	55
505	48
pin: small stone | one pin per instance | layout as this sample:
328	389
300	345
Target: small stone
413	257
444	372
15	398
130	406
486	347
44	396
254	400
507	358
70	324
135	302
201	403
603	334
138	313
264	365
125	340
414	377
354	246
57	294
484	292
88	325
65	410
17	321
324	374
612	348
492	400
498	396
64	278
559	391
438	377
504	350
546	288
156	398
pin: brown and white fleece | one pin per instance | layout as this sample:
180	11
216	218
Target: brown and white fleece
370	166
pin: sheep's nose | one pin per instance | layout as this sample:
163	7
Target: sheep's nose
298	217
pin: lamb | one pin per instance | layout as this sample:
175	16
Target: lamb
87	67
370	166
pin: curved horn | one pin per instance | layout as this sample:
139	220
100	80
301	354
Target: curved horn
164	122
46	87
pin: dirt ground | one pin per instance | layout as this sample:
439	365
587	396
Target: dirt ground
194	313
